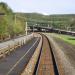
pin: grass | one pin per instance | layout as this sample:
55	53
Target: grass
66	38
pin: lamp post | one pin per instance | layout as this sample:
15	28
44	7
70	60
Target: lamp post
15	19
33	30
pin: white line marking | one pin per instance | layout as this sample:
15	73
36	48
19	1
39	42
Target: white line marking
21	58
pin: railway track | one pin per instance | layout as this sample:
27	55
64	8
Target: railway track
46	64
45	60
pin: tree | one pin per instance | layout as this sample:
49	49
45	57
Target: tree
5	19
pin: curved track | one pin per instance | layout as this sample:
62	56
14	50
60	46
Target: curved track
46	63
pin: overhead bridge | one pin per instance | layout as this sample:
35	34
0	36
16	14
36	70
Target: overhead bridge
40	28
50	29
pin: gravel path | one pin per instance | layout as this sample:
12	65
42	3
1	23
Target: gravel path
68	49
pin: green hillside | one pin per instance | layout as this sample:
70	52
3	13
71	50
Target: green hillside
63	21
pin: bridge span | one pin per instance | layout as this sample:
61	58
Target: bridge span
50	29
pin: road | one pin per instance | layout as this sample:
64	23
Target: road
17	60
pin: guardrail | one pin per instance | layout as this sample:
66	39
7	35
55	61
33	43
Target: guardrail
29	70
7	47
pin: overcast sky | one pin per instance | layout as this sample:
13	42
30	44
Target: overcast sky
42	6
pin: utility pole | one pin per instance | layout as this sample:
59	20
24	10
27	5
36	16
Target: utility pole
15	19
26	28
14	25
25	23
33	28
48	25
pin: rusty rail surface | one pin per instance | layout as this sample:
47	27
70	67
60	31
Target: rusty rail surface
57	51
46	64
